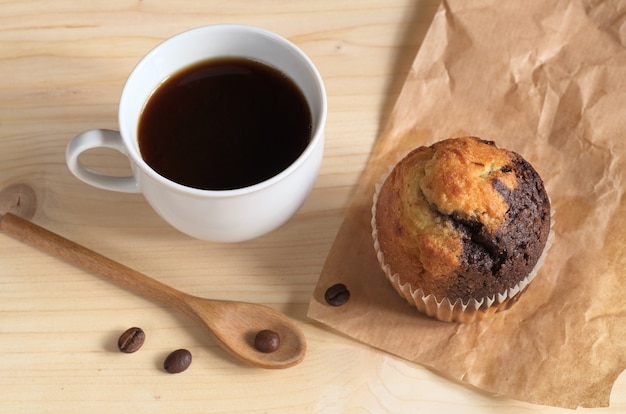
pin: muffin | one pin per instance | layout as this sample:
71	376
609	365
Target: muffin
460	226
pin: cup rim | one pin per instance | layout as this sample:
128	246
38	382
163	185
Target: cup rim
318	127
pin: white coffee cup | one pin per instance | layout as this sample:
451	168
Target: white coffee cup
216	215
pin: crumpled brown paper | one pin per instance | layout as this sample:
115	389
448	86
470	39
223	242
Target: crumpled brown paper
546	79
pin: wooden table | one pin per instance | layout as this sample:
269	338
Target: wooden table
63	64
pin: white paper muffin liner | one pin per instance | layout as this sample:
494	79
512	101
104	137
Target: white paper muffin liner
448	310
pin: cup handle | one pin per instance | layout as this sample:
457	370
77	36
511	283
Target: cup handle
98	138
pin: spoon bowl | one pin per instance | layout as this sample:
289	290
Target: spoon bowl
233	324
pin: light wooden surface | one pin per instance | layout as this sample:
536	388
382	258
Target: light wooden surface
63	64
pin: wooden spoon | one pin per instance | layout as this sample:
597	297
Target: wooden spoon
233	324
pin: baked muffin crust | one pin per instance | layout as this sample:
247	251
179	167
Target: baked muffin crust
462	219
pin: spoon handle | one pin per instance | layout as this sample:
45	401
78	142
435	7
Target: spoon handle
50	242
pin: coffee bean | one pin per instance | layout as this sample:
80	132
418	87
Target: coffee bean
131	340
266	341
177	361
337	295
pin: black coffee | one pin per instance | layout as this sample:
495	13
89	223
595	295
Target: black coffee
223	124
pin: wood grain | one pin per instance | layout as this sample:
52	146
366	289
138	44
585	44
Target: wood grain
63	66
233	324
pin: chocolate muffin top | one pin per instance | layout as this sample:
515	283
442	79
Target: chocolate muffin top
462	219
